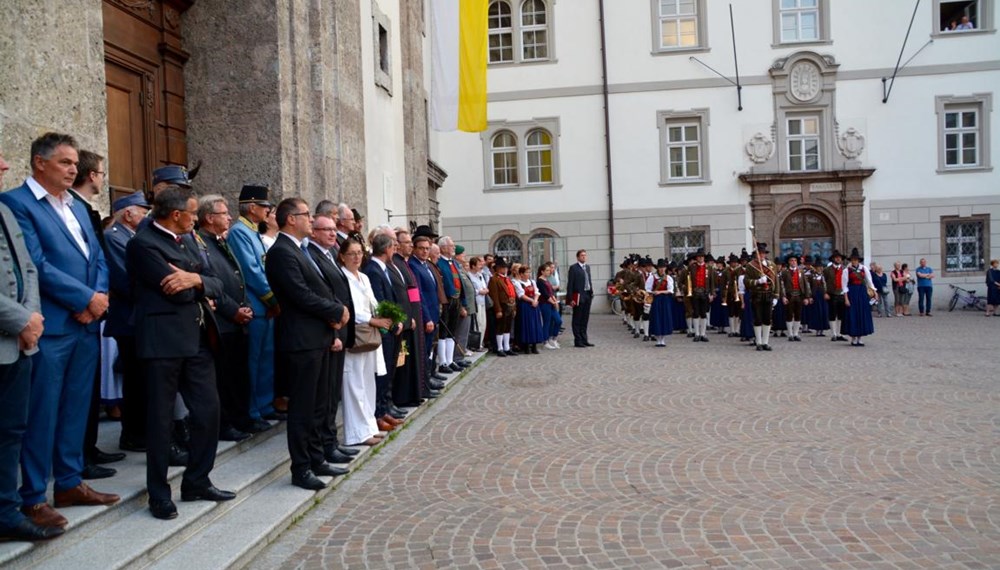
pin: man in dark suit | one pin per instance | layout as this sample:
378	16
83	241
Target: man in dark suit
408	385
128	211
20	329
175	335
580	294
73	279
321	249
232	313
429	302
304	337
385	280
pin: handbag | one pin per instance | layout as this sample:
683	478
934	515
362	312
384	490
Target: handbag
475	341
366	338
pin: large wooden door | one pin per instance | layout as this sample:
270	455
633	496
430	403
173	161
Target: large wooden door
128	130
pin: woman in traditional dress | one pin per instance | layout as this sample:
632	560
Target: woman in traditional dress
661	318
548	304
820	314
528	331
857	281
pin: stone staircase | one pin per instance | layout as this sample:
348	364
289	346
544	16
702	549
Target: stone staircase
205	534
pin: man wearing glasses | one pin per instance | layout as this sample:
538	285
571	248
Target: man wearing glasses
248	249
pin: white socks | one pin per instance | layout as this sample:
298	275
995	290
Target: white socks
757	333
765	333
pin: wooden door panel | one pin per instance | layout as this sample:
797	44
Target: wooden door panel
127	128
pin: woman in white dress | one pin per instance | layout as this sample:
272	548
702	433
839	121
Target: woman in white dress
360	368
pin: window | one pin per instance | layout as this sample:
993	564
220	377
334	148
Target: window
382	38
678	25
509	247
964	244
801	21
963	133
683	146
682	241
802	138
519	31
521	155
957	17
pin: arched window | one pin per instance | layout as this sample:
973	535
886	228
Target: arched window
504	154
501	32
808	233
544	246
539	157
534	30
509	247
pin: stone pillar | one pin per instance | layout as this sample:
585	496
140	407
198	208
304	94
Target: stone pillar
51	77
412	27
853	203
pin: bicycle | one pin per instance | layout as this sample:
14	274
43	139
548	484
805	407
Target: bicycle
967	298
615	300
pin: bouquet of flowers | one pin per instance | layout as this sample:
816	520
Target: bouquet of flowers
392	311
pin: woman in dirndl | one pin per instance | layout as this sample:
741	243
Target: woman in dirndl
661	317
857	281
819	315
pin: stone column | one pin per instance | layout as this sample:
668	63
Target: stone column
51	77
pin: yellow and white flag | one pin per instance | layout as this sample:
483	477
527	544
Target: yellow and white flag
459	38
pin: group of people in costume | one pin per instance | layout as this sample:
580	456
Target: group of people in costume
748	297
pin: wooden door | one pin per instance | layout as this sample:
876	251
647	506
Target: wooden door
127	163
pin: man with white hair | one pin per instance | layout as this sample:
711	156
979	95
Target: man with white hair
455	309
345	223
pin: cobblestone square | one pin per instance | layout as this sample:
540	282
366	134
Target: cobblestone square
698	455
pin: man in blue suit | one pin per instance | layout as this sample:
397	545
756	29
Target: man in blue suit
430	306
73	279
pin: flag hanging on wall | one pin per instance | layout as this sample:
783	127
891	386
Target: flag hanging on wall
458	65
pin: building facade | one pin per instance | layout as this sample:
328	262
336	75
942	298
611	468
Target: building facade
663	154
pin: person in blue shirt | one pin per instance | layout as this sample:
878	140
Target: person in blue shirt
925	287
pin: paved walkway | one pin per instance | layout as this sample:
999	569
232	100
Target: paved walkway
816	455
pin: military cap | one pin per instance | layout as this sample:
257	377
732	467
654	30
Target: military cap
133	199
254	194
173	174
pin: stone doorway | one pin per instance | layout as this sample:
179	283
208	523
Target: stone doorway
806	233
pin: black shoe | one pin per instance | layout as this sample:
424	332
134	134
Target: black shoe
510	353
29	532
588	343
210	493
178	457
444	369
131	445
696	339
433	393
101	458
579	345
258	426
327	470
635	335
767	347
464	363
435	385
163	509
436	376
309	481
454	367
791	339
760	347
704	339
396	412
336	456
534	349
348	451
92	471
690	335
276	416
501	354
233	434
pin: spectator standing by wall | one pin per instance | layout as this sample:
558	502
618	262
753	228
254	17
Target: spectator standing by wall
925	287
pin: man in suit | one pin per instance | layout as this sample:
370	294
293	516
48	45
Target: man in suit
73	279
232	313
248	249
345	224
21	326
385	281
580	294
454	310
176	334
408	386
321	249
304	338
429	303
129	211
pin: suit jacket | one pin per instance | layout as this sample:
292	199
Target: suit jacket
804	291
499	294
430	305
121	300
381	285
307	307
834	286
448	279
710	284
16	304
248	249
168	326
576	281
234	291
340	288
67	278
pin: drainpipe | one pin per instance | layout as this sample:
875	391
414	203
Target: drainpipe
607	140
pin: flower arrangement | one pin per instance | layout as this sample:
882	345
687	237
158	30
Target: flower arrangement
392	311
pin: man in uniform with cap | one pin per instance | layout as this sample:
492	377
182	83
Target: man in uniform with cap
796	294
833	276
765	290
701	282
248	249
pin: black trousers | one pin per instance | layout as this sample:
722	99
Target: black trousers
794	309
581	317
448	323
762	304
837	308
699	306
134	399
406	378
308	404
232	375
383	383
194	378
328	422
15	385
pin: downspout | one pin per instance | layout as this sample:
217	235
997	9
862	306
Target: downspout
607	141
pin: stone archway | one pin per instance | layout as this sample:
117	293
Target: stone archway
806	232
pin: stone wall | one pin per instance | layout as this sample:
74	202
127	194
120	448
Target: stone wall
412	26
57	84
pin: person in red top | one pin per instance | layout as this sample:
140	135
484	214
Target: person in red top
795	286
504	300
702	292
833	275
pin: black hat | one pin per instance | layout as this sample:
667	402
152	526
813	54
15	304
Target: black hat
426	230
357	214
721	259
699	253
645	262
498	262
791	256
662	263
762	247
172	173
254	194
817	259
836	253
672	265
855	254
733	258
744	255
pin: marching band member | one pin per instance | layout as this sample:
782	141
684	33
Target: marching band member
660	314
857	282
795	286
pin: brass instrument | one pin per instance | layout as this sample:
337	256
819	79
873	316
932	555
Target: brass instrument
690	291
648	298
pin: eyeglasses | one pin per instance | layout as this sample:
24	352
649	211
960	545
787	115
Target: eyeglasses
315	229
301	214
226	213
353	253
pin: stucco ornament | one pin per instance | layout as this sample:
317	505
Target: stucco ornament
804	81
759	148
851	143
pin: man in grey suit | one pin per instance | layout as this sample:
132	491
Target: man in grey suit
20	328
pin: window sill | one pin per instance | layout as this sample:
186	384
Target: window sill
958	34
692	182
964	170
505	64
781	45
505	189
680	51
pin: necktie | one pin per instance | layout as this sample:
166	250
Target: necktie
305	251
586	282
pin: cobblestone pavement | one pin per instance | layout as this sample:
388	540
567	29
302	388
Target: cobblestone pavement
816	455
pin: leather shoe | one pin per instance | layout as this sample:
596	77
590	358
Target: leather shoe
589	344
391	420
510	353
436	384
327	470
307	480
178	457
44	515
433	393
455	367
210	493
444	369
436	376
348	450
83	495
384	425
397	413
91	472
276	416
99	457
502	354
257	426
281	404
233	434
131	445
26	530
164	509
336	456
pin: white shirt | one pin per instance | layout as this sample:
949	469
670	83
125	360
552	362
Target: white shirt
295	240
479	283
62	207
166	231
587	286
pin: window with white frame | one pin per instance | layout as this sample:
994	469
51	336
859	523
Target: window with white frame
683	146
964	243
684	241
955	17
801	21
678	25
521	154
802	138
519	31
963	132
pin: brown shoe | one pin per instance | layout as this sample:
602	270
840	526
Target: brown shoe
281	405
391	420
83	495
44	515
384	425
